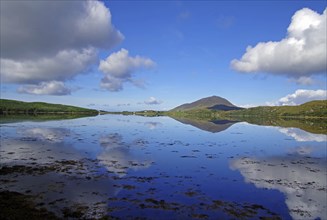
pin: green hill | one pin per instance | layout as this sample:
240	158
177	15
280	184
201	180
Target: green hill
313	109
18	107
213	102
310	116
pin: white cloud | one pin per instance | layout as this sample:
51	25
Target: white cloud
301	96
46	88
247	105
33	29
38	46
63	66
119	67
304	80
152	101
302	53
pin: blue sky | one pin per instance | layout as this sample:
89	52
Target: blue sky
164	53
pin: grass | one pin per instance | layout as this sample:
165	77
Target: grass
18	107
313	109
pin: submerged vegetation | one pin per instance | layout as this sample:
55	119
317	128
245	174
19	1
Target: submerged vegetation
12	107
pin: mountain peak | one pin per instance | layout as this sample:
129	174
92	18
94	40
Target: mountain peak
211	102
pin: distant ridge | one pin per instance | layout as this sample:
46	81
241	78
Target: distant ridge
212	102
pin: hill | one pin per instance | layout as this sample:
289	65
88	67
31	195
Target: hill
310	116
310	109
18	107
213	103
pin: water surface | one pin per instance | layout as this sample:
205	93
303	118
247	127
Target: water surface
159	168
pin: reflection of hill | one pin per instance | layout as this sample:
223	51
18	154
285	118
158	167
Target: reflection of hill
211	126
301	179
5	119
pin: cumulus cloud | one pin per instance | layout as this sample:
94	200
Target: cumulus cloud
304	80
37	49
64	65
152	101
301	96
302	53
119	67
35	33
46	88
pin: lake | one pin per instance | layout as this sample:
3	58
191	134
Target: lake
133	167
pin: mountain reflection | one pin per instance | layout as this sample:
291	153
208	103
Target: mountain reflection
301	179
302	136
211	126
117	156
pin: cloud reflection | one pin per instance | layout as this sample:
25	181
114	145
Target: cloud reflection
118	157
303	150
38	145
55	173
302	136
301	179
55	135
152	125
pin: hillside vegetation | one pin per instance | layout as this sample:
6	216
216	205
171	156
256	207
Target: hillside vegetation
206	109
18	107
212	102
313	109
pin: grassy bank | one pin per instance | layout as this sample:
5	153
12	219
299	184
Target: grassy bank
314	109
11	107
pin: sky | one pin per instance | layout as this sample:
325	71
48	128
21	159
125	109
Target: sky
136	55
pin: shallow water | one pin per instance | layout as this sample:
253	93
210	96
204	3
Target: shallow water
158	168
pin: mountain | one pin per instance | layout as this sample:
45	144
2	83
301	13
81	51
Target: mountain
212	102
8	106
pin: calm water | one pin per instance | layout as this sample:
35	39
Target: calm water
160	168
